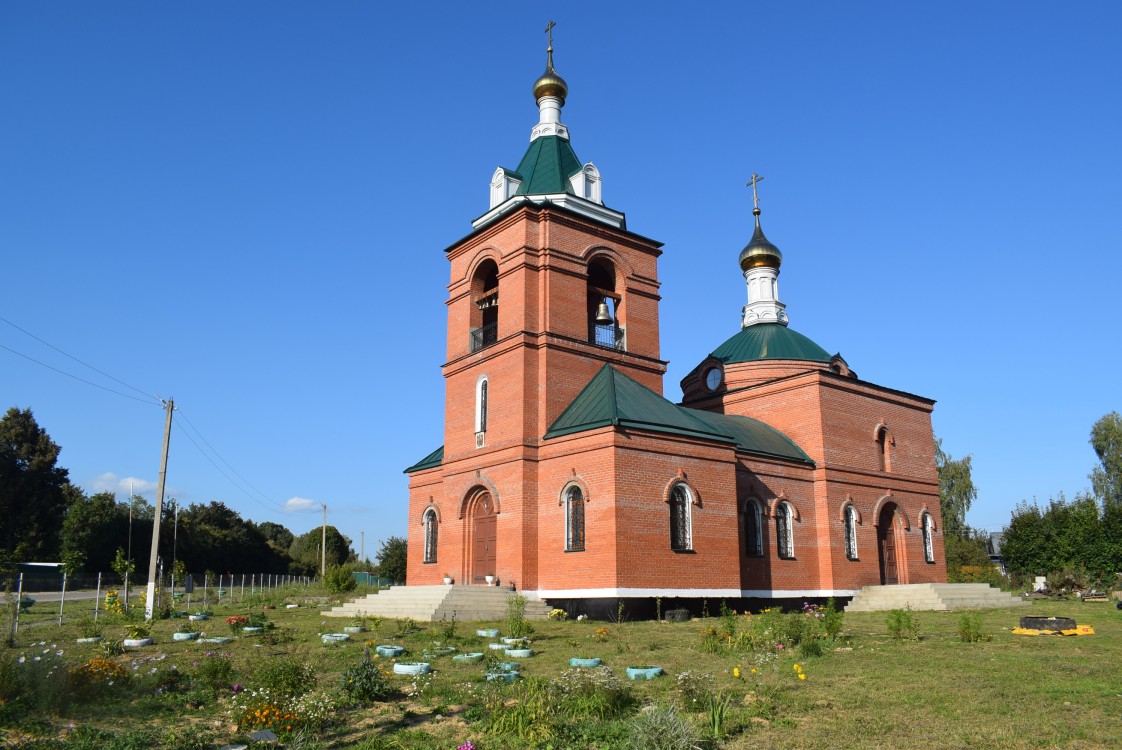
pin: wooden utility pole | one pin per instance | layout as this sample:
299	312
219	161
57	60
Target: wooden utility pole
323	547
150	603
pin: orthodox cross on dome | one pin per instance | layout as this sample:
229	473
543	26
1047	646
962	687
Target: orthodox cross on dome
756	179
549	31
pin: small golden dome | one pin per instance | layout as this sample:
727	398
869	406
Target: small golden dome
551	84
759	251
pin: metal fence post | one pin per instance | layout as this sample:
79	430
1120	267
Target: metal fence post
62	598
97	597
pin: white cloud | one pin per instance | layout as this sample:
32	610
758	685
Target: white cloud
300	505
110	482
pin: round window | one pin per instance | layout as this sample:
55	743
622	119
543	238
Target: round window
713	378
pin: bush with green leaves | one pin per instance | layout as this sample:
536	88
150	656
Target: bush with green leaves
592	693
661	727
364	683
902	625
516	623
970	628
285	676
338	579
213	673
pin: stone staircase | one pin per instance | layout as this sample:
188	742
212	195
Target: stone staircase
944	597
433	603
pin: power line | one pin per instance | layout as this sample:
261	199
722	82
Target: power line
81	380
269	504
71	356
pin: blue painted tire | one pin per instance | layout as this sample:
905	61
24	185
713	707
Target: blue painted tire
519	653
472	658
412	667
390	652
502	676
643	673
487	632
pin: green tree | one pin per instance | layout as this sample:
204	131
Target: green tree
92	528
392	558
956	490
277	535
32	489
1106	439
305	550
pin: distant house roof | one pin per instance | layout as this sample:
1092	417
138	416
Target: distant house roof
612	398
993	544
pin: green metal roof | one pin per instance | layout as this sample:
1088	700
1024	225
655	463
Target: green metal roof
612	398
547	166
769	341
433	459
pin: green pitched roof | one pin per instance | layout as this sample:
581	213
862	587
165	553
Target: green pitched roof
769	341
612	398
433	459
547	166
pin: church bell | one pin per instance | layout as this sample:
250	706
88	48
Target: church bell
603	314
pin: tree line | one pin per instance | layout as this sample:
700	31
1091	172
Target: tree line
46	518
1075	542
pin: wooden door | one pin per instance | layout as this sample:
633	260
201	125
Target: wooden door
886	538
484	528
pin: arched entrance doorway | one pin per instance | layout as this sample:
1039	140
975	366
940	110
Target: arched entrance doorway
483	537
886	545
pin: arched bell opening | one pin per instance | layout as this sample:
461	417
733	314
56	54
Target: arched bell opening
485	305
604	305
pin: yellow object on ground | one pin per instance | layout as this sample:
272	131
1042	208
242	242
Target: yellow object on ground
1077	630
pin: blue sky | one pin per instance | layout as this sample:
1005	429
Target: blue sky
244	206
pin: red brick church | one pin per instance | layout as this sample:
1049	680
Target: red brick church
566	473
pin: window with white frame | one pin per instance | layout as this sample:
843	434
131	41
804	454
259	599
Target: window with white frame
926	525
850	532
753	528
784	533
574	520
680	534
480	411
430	536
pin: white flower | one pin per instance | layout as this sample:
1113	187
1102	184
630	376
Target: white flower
22	659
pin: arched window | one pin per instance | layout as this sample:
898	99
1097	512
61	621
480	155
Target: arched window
884	440
604	306
430	536
480	410
851	532
484	326
574	520
926	525
784	534
753	528
680	534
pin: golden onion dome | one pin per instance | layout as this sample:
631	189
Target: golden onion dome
759	251
550	84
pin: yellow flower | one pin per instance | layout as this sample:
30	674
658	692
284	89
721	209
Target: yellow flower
736	671
802	676
753	670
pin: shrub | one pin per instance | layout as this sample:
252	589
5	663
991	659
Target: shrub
970	628
531	715
285	677
516	616
338	579
902	625
364	683
90	677
811	647
833	620
976	574
592	693
694	688
214	672
662	728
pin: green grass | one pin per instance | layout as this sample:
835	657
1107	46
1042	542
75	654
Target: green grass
867	690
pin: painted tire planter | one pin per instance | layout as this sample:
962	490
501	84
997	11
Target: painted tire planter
440	651
519	653
497	646
502	676
292	606
509	641
219	640
510	666
91	639
137	642
184	636
643	673
390	652
198	618
472	658
487	632
577	661
335	637
253	629
412	667
354	629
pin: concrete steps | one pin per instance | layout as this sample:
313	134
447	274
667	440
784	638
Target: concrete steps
433	603
943	597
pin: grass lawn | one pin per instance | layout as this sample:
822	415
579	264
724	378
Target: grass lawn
865	690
